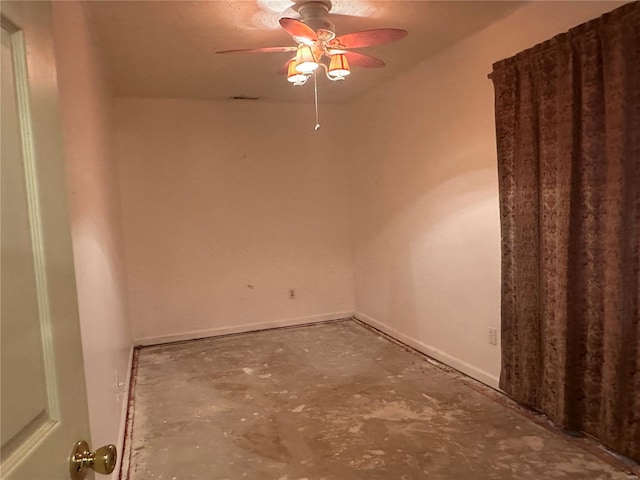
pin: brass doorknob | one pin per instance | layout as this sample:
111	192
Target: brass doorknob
102	460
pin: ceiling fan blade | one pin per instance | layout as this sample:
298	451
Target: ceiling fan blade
285	68
362	60
261	50
297	29
368	38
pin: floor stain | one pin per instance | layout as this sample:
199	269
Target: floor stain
331	401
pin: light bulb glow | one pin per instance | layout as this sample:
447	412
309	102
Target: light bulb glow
305	60
339	66
293	75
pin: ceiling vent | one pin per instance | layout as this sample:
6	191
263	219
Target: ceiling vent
244	97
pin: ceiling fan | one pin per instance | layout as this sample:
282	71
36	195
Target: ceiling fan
318	45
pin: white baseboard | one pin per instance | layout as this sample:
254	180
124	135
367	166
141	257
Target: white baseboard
123	417
247	327
439	355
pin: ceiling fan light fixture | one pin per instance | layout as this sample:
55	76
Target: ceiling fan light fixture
305	61
293	75
339	65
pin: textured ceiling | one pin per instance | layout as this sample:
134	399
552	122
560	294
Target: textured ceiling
166	49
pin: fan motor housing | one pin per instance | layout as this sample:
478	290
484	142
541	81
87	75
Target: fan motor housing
314	14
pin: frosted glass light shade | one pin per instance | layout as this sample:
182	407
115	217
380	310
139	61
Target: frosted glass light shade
339	66
293	75
305	61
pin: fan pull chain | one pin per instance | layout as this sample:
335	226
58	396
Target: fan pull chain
315	89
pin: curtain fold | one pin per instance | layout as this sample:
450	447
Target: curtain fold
568	137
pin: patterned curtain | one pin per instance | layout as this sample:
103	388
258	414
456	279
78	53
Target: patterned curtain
568	134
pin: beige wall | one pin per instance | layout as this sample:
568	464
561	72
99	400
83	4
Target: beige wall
86	108
425	193
226	206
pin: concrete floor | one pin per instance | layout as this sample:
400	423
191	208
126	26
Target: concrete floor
329	402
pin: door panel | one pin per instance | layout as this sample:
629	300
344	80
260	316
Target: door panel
43	399
28	409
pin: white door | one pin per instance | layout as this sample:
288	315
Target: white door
44	406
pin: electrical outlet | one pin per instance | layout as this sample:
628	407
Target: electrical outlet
120	390
493	336
292	293
117	386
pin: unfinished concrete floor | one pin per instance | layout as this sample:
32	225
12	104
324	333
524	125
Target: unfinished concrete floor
329	402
